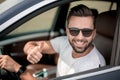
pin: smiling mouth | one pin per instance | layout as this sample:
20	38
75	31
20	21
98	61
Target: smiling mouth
80	44
80	47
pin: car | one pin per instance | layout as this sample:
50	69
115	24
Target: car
26	20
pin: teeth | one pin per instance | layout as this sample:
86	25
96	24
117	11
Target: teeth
79	42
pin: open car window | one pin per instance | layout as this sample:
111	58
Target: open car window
40	23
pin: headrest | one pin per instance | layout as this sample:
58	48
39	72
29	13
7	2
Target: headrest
106	23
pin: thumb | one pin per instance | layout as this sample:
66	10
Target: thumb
41	46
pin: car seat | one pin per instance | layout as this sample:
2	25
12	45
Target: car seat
105	27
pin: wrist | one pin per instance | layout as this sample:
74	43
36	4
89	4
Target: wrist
21	70
16	67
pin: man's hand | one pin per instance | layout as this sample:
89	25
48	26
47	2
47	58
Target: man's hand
34	52
6	62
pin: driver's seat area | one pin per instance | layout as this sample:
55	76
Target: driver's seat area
105	26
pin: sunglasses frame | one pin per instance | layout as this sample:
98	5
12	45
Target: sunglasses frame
86	32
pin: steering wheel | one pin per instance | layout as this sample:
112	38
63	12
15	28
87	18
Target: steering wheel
6	75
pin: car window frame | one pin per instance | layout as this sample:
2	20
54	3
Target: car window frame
115	57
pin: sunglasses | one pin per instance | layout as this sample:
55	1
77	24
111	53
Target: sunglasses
86	32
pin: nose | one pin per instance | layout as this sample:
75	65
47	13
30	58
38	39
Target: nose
80	35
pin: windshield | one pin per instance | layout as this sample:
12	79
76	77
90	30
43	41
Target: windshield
6	4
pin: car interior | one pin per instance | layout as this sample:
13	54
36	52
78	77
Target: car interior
105	36
105	25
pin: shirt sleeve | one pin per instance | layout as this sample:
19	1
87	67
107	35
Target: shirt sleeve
58	43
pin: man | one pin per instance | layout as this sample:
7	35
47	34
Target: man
76	51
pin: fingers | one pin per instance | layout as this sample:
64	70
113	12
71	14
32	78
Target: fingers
3	61
8	63
3	64
34	55
34	58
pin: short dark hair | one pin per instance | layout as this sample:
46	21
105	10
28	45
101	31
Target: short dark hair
82	11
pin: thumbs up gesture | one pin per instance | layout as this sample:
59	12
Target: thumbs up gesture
34	53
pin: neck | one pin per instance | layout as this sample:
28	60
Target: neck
77	55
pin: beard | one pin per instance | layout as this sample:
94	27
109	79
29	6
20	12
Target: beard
78	49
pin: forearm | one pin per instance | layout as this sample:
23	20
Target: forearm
44	47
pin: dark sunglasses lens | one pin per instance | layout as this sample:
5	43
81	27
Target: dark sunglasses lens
74	31
87	32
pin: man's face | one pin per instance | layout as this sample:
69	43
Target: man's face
81	32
